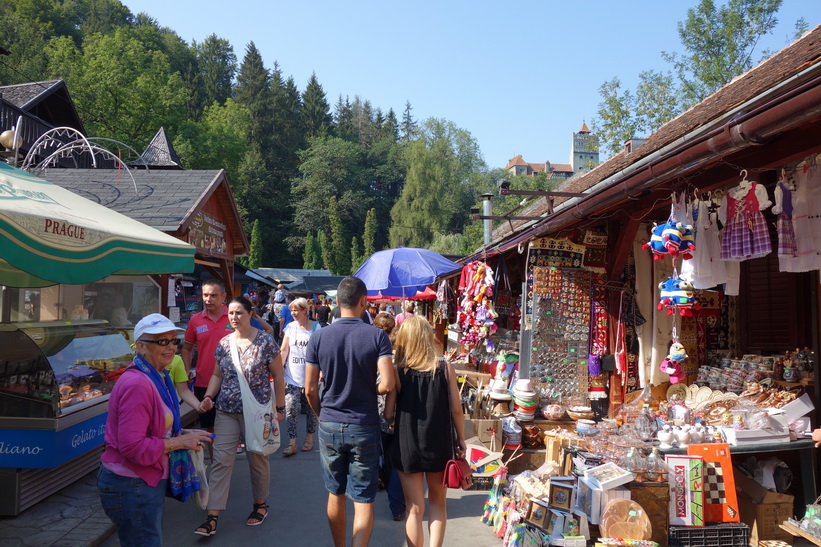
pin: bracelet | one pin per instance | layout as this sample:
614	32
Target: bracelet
207	397
280	409
170	445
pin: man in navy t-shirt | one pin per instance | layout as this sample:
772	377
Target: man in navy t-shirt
349	353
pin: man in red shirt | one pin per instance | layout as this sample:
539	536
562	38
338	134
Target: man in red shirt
205	330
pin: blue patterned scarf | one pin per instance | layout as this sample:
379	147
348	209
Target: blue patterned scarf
182	476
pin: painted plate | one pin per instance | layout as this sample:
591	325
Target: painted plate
703	394
716	395
691	393
677	389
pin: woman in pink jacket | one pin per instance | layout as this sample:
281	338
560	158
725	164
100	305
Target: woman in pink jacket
142	411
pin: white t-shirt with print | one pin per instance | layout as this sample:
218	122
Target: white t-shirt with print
297	342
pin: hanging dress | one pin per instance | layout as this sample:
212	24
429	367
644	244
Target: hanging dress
687	271
783	208
710	270
746	235
806	220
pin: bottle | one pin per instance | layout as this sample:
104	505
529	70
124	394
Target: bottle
646	398
646	425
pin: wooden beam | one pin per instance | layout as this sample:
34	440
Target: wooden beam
623	235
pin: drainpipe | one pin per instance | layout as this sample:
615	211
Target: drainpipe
487	211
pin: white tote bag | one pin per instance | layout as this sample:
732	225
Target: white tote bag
261	424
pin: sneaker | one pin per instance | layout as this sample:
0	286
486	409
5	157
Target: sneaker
397	518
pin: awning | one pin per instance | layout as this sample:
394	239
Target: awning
49	235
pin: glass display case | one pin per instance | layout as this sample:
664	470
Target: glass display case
51	369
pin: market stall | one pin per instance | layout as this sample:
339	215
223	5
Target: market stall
74	278
669	329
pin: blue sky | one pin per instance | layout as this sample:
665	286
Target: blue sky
521	77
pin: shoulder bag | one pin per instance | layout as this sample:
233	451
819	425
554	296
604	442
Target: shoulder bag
261	424
457	471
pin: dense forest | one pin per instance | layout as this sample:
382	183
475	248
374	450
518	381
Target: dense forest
318	186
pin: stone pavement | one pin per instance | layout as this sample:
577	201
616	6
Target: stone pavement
73	517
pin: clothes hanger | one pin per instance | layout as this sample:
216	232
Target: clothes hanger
745	184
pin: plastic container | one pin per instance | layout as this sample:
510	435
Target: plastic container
728	534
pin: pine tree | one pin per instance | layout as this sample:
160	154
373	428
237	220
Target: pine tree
308	253
369	237
218	64
341	252
326	251
343	119
316	112
318	254
255	253
252	90
356	258
390	128
408	123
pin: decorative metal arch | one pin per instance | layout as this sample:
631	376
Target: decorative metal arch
58	139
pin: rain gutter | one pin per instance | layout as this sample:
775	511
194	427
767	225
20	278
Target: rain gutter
752	123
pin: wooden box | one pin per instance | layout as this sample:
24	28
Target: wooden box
654	498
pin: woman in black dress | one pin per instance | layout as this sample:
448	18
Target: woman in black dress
428	424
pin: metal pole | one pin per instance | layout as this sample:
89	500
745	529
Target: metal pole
487	207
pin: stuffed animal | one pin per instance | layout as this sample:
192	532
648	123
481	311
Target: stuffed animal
672	364
688	242
671	237
677	294
656	243
676	352
674	369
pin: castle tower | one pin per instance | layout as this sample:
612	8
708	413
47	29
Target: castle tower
584	151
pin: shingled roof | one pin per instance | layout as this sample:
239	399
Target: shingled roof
24	95
47	100
165	199
159	154
789	68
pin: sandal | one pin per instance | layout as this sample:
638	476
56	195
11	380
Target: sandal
290	450
209	527
308	445
256	516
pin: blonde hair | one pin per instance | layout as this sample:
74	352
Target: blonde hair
415	345
300	303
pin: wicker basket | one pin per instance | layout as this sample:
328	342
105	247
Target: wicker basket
654	498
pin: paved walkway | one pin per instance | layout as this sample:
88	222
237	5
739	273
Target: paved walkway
74	518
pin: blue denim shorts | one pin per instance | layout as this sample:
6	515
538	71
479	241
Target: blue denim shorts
350	459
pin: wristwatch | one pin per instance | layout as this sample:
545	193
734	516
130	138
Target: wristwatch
280	409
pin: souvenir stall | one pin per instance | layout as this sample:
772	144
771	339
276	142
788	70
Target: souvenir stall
74	278
700	341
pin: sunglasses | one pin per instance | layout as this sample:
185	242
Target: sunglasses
163	341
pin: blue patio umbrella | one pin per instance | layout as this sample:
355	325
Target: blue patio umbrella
403	271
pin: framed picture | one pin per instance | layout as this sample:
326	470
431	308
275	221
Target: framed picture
560	496
538	513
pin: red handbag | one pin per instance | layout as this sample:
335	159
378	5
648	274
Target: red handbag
457	474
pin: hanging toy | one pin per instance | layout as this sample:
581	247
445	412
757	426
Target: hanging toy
672	364
673	239
671	236
675	370
657	244
678	294
688	242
